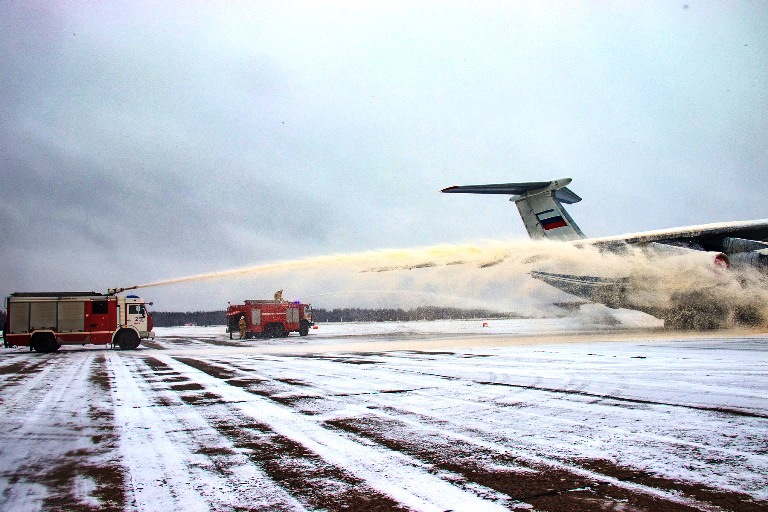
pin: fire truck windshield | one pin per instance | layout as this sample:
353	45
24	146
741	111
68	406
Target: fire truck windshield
136	309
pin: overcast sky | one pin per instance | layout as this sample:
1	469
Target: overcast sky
148	140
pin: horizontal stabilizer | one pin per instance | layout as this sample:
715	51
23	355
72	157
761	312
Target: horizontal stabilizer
563	194
514	189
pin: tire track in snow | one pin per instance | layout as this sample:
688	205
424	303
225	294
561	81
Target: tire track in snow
678	443
23	373
695	457
394	474
463	387
544	482
309	478
600	396
25	433
415	367
279	389
158	441
553	413
58	451
613	490
219	434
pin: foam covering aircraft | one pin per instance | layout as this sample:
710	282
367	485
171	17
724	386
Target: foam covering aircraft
738	251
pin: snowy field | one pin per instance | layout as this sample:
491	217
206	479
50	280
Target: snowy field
568	414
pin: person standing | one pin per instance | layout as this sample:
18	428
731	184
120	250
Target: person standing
241	325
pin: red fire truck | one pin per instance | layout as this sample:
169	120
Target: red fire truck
46	321
270	318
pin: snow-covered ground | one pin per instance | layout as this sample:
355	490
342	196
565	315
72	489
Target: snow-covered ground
590	318
519	414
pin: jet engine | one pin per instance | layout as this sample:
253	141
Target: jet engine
753	259
743	253
715	259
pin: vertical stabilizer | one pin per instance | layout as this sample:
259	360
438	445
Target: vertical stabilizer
540	205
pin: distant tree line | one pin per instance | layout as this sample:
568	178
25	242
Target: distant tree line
403	315
172	318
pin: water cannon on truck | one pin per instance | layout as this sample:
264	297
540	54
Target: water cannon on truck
44	321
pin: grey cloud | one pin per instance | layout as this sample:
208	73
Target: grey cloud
161	141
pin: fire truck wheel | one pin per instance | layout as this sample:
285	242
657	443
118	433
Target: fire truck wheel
127	340
44	343
304	328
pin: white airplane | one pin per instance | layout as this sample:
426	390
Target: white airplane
741	247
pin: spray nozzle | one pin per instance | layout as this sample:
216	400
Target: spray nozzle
115	291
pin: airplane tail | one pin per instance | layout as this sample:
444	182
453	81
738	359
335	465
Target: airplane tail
540	205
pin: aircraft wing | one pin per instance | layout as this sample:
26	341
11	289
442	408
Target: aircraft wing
708	235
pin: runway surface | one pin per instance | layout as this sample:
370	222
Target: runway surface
416	416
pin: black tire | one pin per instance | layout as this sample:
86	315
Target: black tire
304	328
44	343
127	339
274	331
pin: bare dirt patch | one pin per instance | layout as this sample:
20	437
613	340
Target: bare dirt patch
210	369
152	344
99	376
244	383
293	382
103	485
158	366
724	499
189	386
15	368
206	398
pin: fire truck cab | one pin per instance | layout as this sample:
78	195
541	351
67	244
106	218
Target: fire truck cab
45	321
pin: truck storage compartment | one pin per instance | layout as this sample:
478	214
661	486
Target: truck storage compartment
42	315
71	316
18	313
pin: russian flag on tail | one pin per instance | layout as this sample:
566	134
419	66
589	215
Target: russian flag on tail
550	222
